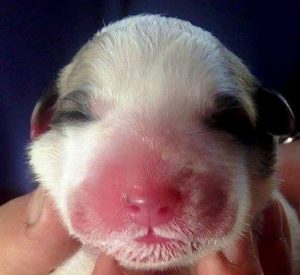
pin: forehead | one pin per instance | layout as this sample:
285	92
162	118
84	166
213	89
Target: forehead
152	61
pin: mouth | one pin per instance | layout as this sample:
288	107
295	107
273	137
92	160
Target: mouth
148	250
152	238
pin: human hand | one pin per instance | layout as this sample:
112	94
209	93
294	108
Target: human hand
289	172
32	240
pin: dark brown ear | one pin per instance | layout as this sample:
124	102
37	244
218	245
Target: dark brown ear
42	114
274	114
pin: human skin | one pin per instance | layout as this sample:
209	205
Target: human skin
33	241
289	171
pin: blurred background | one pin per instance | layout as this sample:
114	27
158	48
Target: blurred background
37	38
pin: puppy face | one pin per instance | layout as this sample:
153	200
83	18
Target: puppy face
157	149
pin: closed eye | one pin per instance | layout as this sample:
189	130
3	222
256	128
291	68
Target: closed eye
231	117
234	122
71	117
73	108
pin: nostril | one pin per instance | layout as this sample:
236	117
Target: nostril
164	210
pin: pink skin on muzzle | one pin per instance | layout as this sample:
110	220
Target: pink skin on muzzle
136	186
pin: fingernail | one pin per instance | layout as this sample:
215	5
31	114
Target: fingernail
35	206
243	249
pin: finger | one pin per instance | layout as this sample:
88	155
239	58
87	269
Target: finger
240	258
107	266
33	241
275	244
289	159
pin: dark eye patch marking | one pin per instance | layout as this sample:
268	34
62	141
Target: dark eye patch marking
230	116
73	108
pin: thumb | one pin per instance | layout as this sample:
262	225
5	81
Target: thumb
240	258
32	239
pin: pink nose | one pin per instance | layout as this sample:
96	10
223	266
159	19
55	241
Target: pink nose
152	206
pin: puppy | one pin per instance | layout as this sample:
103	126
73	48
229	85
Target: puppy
158	146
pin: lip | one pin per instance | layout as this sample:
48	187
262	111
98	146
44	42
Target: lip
152	238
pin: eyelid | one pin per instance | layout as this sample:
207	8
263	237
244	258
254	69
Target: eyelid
73	107
236	122
72	116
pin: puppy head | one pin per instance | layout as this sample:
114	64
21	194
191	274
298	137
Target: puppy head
156	143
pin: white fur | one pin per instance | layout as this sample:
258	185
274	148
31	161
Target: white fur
148	74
